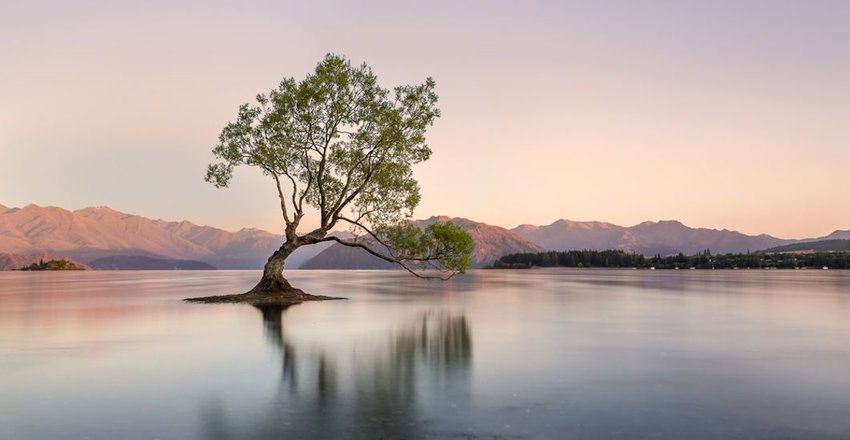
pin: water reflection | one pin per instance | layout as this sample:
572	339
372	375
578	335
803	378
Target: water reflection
374	393
558	354
273	330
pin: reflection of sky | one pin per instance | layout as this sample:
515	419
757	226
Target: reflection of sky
720	114
547	353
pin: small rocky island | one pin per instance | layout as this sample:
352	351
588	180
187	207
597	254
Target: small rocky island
53	265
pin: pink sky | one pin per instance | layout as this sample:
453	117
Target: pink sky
719	114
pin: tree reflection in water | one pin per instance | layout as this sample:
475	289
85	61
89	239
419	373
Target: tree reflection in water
273	329
380	395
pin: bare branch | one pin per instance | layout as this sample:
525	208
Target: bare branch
281	197
295	206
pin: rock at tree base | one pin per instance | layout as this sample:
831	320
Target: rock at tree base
284	298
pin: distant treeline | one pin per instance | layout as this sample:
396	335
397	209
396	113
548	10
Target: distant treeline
702	260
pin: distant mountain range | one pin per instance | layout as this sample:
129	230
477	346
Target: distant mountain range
651	238
89	234
92	233
648	238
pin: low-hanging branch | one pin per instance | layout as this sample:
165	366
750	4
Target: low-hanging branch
400	260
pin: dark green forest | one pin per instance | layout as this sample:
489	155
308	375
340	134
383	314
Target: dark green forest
702	260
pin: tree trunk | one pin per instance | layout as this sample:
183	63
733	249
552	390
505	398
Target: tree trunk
273	289
273	280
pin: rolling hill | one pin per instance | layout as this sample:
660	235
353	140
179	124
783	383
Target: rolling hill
814	246
142	262
837	235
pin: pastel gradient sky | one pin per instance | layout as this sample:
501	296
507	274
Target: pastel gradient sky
721	114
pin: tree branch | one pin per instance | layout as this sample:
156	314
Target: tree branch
295	206
342	201
388	259
429	258
282	199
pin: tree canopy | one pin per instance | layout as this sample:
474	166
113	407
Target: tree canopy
338	142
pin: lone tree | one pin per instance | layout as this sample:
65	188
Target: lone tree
339	143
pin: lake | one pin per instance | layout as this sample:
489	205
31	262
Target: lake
535	354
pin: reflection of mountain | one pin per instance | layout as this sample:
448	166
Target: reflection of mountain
373	395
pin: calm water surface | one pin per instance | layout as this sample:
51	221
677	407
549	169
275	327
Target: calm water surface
494	354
